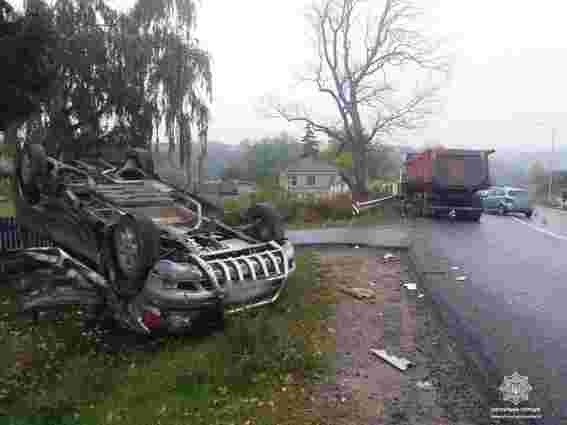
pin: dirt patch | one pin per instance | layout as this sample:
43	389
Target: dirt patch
366	390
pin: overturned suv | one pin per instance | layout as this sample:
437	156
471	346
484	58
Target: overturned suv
154	255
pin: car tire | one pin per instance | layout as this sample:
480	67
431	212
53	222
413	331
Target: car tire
135	248
36	165
475	217
269	224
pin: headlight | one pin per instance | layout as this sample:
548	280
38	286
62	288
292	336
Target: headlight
288	250
171	273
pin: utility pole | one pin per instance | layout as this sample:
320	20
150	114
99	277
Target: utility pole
549	189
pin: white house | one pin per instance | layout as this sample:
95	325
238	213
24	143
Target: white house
311	175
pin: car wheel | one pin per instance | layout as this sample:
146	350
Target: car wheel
269	224
475	217
31	168
135	249
502	210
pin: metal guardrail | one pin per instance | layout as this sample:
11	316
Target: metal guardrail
357	207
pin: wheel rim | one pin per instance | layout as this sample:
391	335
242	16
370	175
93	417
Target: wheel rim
127	250
26	171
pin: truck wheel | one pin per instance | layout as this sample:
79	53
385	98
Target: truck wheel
134	250
269	224
31	169
475	217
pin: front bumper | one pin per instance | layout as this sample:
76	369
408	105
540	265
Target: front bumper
446	209
234	281
230	282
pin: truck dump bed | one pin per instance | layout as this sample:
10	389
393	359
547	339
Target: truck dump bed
441	169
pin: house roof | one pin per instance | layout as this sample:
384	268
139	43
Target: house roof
310	163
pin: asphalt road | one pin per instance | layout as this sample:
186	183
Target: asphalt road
514	300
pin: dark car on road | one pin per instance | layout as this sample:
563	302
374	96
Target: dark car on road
504	200
154	245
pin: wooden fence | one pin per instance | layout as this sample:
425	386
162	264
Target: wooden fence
13	236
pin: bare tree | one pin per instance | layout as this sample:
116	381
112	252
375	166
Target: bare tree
364	59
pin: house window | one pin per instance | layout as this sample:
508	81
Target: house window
310	180
292	181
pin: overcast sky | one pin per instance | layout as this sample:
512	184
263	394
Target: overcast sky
507	88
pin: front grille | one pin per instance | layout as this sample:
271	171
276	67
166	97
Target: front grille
267	264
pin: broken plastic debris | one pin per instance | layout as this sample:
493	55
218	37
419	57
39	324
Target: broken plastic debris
461	278
420	296
424	385
455	268
399	363
372	283
359	293
356	246
389	257
410	286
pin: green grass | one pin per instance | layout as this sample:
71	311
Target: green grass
7	210
6	197
51	371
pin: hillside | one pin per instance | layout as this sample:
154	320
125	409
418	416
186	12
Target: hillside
219	154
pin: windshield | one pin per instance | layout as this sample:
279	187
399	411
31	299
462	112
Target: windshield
522	194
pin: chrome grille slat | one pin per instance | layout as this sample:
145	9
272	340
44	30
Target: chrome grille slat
275	261
250	265
263	265
234	261
226	271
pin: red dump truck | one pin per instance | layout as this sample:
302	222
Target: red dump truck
443	181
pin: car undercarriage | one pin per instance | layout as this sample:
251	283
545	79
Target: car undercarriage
130	243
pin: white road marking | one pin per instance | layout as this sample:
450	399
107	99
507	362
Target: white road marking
539	229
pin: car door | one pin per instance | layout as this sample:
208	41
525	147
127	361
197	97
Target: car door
498	197
488	200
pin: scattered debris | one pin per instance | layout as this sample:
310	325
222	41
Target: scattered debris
410	286
356	246
455	268
359	293
332	330
461	278
424	385
372	283
399	363
420	295
390	258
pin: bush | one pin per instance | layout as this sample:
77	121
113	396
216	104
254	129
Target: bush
338	207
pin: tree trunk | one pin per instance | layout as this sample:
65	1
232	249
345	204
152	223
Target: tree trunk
360	171
202	157
188	144
171	148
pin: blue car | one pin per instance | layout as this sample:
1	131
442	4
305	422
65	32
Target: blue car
504	200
